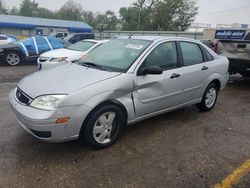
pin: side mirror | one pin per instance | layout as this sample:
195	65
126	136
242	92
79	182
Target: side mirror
151	70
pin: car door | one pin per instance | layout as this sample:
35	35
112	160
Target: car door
192	71
154	93
210	65
3	40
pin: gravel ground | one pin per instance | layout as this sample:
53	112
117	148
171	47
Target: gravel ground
184	148
13	74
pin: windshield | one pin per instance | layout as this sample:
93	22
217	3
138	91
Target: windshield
117	54
81	46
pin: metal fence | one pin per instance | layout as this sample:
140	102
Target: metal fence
110	34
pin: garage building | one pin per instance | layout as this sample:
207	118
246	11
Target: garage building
21	26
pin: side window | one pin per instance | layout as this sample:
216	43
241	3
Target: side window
59	35
191	53
3	38
207	55
83	36
65	34
164	56
75	39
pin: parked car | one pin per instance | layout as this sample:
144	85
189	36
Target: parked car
60	35
4	39
71	53
238	53
76	37
28	49
123	81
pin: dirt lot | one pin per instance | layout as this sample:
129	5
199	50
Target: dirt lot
184	148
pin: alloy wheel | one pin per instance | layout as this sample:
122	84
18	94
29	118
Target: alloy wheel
13	59
211	97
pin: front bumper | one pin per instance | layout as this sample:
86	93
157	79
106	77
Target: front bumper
41	124
49	64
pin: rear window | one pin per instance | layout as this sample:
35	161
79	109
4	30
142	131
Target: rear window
82	45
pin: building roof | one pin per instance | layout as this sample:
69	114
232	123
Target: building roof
30	22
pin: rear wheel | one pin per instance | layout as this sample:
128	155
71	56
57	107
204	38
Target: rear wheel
12	58
209	98
104	126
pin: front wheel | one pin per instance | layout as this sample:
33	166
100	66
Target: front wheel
12	58
209	98
104	126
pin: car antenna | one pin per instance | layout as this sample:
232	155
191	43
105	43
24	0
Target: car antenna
131	34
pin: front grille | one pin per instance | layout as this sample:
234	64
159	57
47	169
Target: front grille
22	97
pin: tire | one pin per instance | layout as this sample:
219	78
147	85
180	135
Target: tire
209	98
12	58
98	131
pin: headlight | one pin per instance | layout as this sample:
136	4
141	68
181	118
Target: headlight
47	102
61	59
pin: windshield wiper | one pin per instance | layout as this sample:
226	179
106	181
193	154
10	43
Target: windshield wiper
93	65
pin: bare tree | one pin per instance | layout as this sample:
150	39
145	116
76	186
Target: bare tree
144	7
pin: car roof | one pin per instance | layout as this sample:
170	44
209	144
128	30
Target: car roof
159	38
96	41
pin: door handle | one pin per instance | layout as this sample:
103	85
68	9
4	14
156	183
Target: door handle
204	68
175	76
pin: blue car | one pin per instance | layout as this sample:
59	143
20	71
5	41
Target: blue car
28	49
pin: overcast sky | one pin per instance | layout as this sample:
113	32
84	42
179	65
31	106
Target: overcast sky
210	11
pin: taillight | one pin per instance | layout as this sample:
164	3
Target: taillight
216	47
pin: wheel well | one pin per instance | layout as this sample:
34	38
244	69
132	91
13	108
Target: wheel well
16	51
113	102
217	83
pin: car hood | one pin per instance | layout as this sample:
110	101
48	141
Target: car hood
62	53
6	46
63	79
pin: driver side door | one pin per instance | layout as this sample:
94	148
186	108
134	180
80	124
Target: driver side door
156	93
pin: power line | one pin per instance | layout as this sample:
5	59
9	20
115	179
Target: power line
228	10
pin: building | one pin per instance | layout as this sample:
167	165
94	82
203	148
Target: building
28	26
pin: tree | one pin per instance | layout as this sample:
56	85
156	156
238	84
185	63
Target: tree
144	8
14	11
174	15
71	10
3	9
129	17
137	16
28	8
159	15
89	17
45	13
108	20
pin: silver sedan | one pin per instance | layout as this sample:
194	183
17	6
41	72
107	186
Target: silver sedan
124	81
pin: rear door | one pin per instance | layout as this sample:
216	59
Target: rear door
192	71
